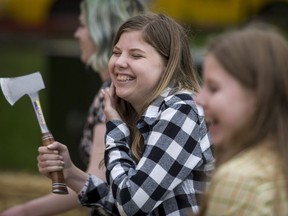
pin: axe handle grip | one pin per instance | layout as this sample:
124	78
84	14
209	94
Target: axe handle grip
58	181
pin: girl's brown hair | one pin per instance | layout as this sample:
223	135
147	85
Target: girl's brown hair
169	39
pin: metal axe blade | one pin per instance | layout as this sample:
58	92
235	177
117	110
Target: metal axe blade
14	88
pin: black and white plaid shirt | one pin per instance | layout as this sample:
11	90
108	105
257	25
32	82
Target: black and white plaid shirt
173	170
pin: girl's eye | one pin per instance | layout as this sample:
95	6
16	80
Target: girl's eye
212	88
116	53
136	56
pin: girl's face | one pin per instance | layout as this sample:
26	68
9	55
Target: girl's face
86	44
227	104
135	68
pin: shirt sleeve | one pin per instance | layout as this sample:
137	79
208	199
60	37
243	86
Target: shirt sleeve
171	152
100	189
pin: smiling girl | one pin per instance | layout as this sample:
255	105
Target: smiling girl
158	153
245	99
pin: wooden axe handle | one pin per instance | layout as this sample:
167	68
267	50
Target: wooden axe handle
58	181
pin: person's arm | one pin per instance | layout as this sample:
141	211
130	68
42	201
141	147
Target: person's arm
49	204
52	204
97	152
46	205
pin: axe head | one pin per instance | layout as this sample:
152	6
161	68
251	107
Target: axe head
15	87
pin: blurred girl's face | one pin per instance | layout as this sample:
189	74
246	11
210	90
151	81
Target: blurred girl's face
227	104
135	68
86	44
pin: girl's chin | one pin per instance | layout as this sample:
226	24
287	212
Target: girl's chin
220	142
217	141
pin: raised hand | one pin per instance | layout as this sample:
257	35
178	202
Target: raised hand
109	99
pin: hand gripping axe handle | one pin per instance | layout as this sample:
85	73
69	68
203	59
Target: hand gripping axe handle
16	87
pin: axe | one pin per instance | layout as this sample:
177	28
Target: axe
16	87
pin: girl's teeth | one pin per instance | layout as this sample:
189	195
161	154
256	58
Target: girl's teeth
123	78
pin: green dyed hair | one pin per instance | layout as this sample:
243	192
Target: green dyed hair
103	18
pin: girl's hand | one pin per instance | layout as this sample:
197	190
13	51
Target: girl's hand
110	98
54	157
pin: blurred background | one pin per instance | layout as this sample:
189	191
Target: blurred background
38	36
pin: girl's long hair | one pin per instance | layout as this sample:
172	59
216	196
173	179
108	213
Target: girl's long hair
258	59
170	40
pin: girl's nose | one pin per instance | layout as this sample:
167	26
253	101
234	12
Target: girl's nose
200	99
121	61
76	32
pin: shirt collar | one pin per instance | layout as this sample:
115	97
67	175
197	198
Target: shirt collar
153	109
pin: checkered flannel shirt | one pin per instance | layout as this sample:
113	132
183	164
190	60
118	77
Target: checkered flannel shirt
172	171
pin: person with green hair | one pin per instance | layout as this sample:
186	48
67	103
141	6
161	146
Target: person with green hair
98	23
